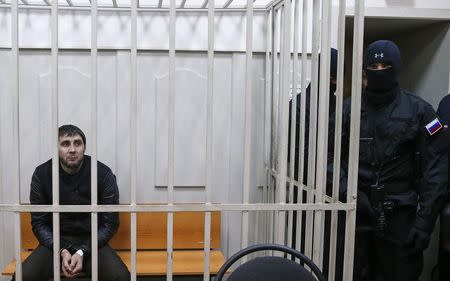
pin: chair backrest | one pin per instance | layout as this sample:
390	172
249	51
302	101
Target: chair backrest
271	268
188	231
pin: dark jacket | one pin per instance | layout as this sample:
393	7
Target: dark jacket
397	151
331	124
443	112
75	189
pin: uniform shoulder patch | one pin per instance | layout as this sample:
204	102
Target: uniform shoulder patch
433	127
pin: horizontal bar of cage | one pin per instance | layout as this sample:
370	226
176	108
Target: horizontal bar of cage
108	49
177	208
328	199
128	9
273	3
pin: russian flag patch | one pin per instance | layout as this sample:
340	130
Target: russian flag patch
433	127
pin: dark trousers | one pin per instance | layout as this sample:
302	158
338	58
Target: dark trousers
378	259
39	265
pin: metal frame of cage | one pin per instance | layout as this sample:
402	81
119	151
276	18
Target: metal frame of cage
280	15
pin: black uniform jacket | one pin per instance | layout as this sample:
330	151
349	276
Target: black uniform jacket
398	152
75	189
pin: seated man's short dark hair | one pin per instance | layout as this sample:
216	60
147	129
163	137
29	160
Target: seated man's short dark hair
71	130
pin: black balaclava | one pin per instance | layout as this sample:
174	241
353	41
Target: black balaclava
382	84
333	69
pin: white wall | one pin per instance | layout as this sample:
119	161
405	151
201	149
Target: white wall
427	66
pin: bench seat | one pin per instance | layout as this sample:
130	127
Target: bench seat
188	235
154	263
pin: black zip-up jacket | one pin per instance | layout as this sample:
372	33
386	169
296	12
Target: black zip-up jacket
75	189
391	138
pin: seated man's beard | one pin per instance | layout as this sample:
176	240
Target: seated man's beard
71	165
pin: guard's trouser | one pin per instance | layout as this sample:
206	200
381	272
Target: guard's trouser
39	265
444	244
378	259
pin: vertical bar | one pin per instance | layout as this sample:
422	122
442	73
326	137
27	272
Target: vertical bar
301	144
312	142
209	120
16	136
273	116
279	88
171	138
282	148
94	201
55	160
248	121
133	135
268	120
337	137
293	121
354	138
322	134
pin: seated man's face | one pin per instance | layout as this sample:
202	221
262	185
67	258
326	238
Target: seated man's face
71	151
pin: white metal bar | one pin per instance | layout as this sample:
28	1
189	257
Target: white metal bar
210	102
207	247
337	137
133	136
322	132
47	2
140	9
210	122
205	3
16	135
268	120
172	16
115	3
312	125
25	2
69	2
228	3
160	3
175	208
248	121
293	119
94	201
358	37
279	91
54	134
284	120
274	77
272	4
301	144
253	3
18	246
183	3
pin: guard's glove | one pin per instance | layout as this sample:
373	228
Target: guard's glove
418	239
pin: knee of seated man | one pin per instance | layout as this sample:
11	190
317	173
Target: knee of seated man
26	276
121	274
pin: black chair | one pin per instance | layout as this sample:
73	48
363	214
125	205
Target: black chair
270	268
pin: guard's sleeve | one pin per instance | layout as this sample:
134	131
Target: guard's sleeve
345	139
108	223
434	165
42	223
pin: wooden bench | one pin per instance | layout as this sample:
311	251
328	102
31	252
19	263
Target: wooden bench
188	235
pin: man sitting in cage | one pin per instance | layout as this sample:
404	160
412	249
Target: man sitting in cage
75	228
